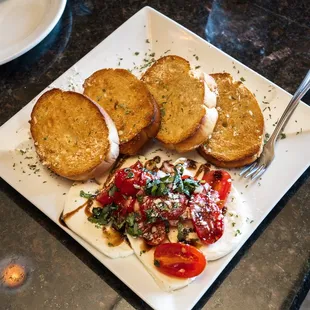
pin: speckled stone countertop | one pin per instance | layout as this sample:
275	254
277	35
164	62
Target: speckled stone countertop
271	271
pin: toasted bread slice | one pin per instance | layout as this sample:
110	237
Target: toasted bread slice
237	139
129	103
73	136
180	96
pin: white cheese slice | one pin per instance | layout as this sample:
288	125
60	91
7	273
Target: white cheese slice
88	231
166	283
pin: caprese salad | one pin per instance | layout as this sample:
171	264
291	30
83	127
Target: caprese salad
174	216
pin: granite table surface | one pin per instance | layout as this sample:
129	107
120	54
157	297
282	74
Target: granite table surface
271	271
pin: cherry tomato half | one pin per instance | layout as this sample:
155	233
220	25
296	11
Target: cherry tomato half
126	179
220	181
207	218
179	260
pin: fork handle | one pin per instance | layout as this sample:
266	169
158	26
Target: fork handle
300	92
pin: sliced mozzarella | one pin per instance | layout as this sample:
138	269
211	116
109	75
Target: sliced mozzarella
166	283
235	225
79	223
212	116
211	93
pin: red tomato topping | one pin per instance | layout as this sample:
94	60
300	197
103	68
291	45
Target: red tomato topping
220	181
145	175
125	181
207	218
179	260
104	198
154	234
129	180
170	208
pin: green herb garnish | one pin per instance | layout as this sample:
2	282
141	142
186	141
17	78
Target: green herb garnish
102	216
130	175
182	232
156	263
132	226
112	190
140	198
87	195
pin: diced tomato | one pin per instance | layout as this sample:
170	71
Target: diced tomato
125	203
126	179
104	198
179	260
154	234
130	180
137	165
207	218
129	204
220	181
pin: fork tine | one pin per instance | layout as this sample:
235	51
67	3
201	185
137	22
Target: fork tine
259	172
247	168
252	171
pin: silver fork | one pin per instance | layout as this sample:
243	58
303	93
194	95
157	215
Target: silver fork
256	169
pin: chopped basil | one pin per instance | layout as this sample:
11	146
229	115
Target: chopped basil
140	198
156	263
142	252
134	230
283	135
87	195
190	185
130	175
102	216
151	215
157	187
242	79
112	190
118	223
130	219
132	227
237	233
182	233
162	186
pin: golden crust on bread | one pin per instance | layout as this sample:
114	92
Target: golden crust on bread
129	103
204	130
180	98
72	134
238	135
131	147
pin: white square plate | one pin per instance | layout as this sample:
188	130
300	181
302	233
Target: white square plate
151	32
